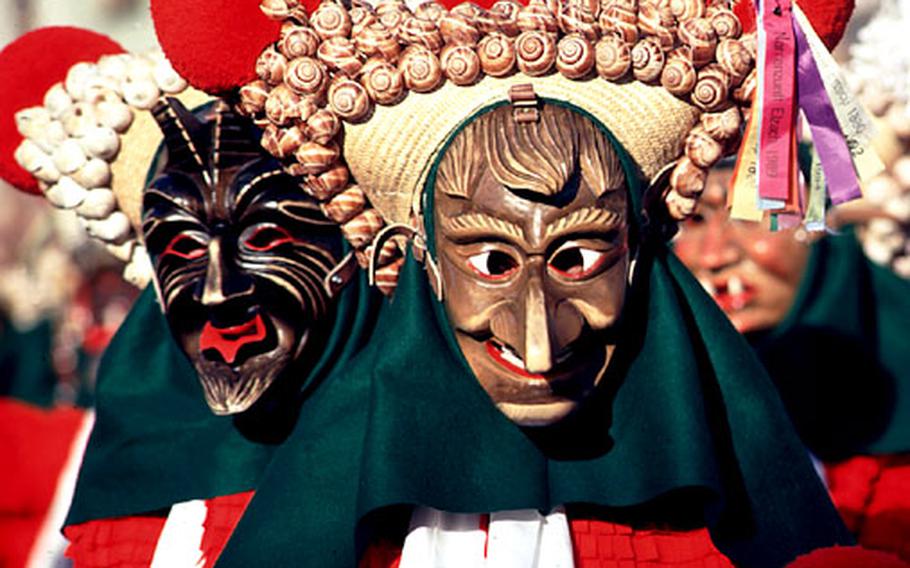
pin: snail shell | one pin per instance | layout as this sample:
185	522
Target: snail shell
270	66
591	6
79	119
612	57
678	75
97	204
497	55
66	193
680	208
537	17
288	141
114	66
269	140
277	9
391	13
306	76
360	230
725	23
297	41
750	42
57	100
377	40
101	142
468	10
349	100
383	81
486	22
328	183
653	21
282	105
622	22
458	29
430	11
723	125
746	91
32	121
505	12
94	173
688	179
344	206
703	150
252	97
627	4
535	52
331	20
700	37
362	16
322	126
316	158
712	88
574	56
574	18
340	55
647	60
684	10
421	69
423	32
460	64
386	277
735	59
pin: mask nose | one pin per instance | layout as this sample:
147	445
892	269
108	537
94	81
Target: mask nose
541	325
221	283
719	248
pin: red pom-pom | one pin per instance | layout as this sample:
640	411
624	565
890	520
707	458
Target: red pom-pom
847	557
28	68
829	18
213	44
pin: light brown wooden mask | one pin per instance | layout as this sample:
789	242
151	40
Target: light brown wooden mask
532	239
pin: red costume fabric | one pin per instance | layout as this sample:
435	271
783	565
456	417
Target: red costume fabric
35	444
872	494
130	542
603	544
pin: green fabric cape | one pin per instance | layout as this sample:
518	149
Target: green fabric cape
26	370
156	443
685	412
840	358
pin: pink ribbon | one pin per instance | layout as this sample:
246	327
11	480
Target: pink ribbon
777	108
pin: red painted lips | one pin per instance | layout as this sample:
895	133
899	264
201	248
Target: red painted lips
228	340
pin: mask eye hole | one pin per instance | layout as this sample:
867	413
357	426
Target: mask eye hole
576	263
493	265
184	246
266	237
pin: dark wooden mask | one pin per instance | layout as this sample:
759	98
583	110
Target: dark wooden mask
241	254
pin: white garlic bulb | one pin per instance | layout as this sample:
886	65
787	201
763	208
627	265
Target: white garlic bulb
66	193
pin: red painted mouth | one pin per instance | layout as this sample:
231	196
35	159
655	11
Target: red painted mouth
733	294
228	340
498	352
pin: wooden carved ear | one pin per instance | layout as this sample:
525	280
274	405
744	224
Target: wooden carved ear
658	221
183	137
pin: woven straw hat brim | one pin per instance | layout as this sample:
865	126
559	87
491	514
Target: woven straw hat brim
137	152
390	154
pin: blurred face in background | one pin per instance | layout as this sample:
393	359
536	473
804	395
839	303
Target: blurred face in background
752	273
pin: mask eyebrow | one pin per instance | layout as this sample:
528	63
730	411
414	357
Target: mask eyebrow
475	224
241	196
594	219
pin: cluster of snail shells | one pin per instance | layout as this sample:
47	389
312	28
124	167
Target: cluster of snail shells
336	64
70	142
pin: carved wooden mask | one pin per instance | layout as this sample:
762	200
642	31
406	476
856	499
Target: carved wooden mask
532	239
241	255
